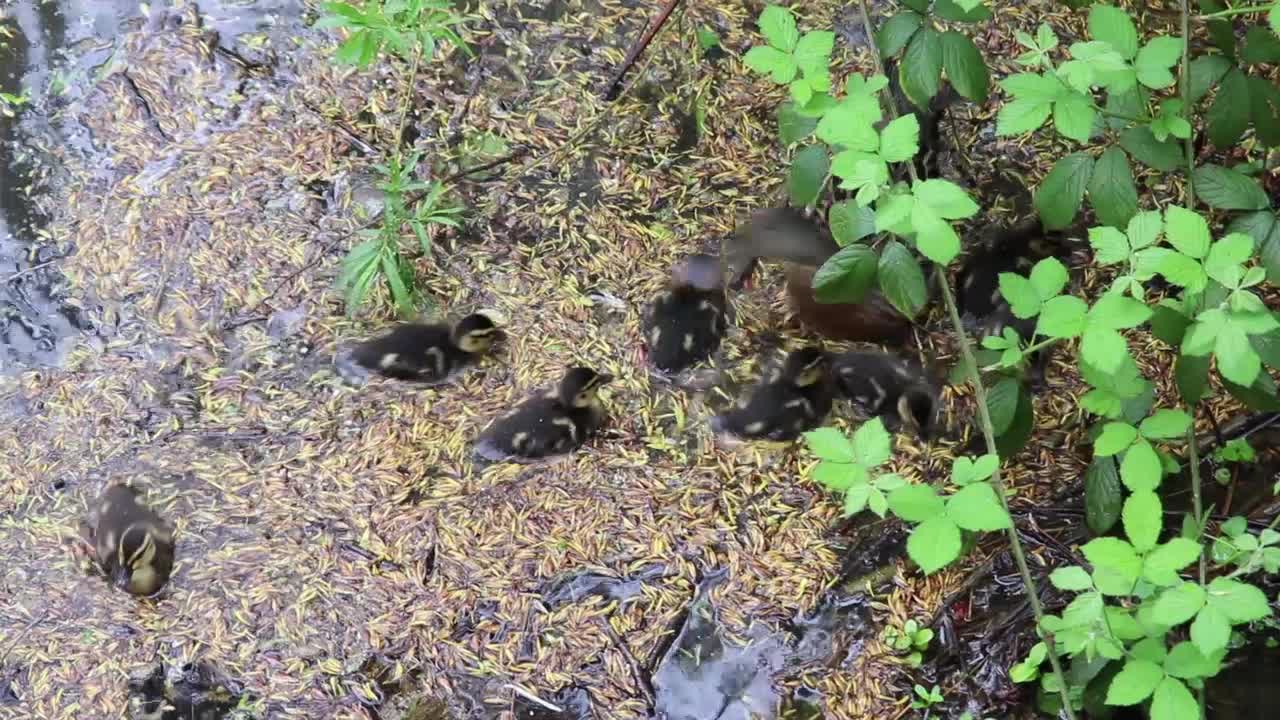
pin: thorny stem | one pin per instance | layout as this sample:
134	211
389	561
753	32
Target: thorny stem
1229	12
988	429
1184	87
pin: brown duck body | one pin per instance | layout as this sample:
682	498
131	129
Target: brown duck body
785	234
131	543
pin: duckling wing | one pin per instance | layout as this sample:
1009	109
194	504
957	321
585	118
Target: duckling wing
539	428
776	411
684	328
410	352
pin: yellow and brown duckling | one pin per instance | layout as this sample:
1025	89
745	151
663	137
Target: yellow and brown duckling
687	321
554	423
427	353
890	387
796	398
786	234
130	542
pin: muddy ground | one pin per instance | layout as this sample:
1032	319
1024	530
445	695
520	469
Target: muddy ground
340	556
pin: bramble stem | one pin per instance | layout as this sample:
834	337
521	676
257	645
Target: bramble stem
988	429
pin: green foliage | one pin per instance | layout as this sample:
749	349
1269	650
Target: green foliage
926	698
403	27
10	103
908	642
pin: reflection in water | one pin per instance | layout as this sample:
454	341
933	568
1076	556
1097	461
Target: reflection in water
49	51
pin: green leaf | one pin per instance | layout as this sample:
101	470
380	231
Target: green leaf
1261	46
779	65
1115	438
1002	404
1111	189
1264	109
1141	468
1015	437
813	51
1187	231
850	126
1154	60
846	276
1073	116
1179	603
916	503
792	126
1237	360
839	476
955	10
934	544
1228	116
855	499
1165	424
808	175
1227	255
900	139
1117	312
935	238
779	27
1049	277
1240	602
830	444
965	67
1186	661
850	223
1021	294
1031	86
1140	143
1062	317
1207	71
901	279
1113	26
947	199
1211	631
1161	566
1103	498
1116	567
872	444
1142	520
897	32
976	507
1144	229
1072	578
1022	115
1173	701
1058	197
1110	245
1228	189
1102	347
1134	683
921	67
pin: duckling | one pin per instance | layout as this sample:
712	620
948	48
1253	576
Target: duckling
795	399
930	119
785	234
130	542
428	353
686	322
557	422
887	386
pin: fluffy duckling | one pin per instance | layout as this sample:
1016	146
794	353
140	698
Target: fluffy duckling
428	353
1016	249
795	399
785	234
890	387
131	543
686	322
557	422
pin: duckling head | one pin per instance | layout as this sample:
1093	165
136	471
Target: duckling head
135	570
806	366
475	333
916	407
579	386
701	272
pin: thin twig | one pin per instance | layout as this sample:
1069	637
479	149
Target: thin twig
31	269
513	155
21	634
611	92
642	680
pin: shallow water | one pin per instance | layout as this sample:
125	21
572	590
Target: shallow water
49	53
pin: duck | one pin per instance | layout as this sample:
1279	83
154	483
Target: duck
890	387
687	321
927	161
132	545
786	234
427	353
551	424
796	398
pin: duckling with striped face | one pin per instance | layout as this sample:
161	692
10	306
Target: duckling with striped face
428	353
557	422
686	323
892	388
795	399
131	543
